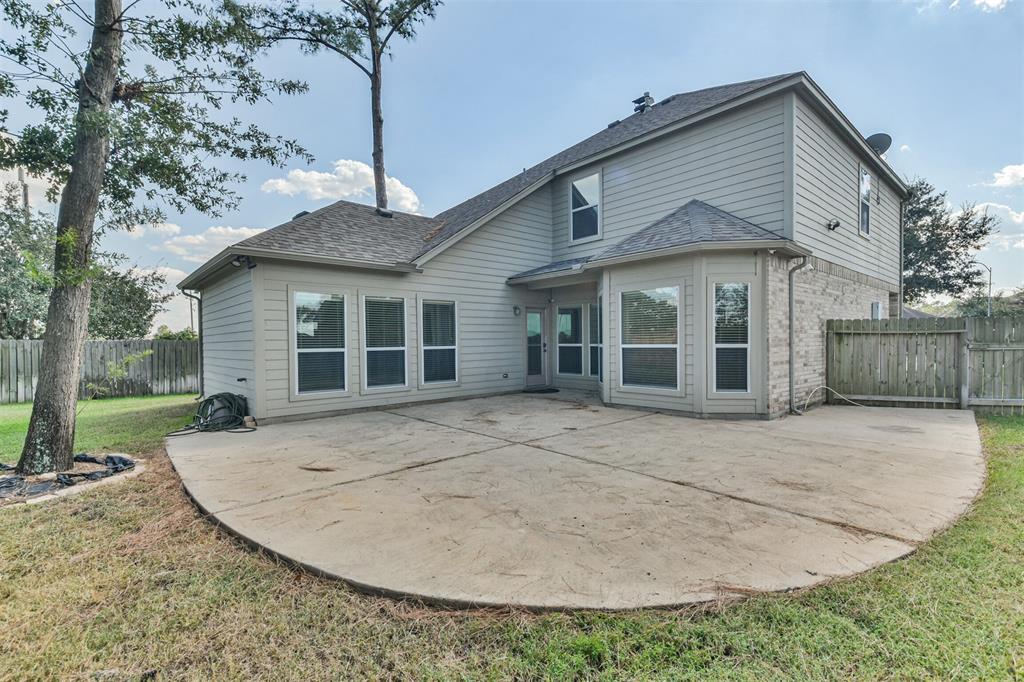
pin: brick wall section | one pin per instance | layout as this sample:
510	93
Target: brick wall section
829	291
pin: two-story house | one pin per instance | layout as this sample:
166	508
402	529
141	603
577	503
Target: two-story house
654	263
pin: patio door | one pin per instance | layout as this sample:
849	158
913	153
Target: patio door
536	348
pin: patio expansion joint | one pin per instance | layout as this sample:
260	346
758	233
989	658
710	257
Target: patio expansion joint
361	479
848	527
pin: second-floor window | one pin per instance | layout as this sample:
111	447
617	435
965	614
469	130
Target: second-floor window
865	202
585	207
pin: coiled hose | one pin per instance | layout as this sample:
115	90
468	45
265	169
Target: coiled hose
218	412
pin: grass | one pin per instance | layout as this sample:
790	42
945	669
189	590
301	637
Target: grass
128	582
131	425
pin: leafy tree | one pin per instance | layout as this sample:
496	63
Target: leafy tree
164	333
124	303
127	121
26	244
939	244
1003	304
358	30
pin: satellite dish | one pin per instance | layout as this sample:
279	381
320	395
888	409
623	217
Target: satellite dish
880	142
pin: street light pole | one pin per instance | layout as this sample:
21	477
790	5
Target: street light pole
989	285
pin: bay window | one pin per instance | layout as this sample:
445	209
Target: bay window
570	340
732	337
650	338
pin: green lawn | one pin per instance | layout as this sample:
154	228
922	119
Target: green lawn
132	425
128	580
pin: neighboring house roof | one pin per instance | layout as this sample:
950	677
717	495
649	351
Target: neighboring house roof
692	224
916	314
666	112
350	231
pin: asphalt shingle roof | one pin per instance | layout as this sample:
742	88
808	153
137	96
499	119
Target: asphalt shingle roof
666	112
348	230
355	231
556	266
692	223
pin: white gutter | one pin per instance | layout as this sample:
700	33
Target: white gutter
783	245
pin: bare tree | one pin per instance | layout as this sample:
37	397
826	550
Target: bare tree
358	30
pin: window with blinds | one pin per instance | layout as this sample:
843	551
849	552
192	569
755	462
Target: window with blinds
384	341
319	342
732	337
650	338
596	342
570	340
439	342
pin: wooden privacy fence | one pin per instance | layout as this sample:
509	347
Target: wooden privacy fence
173	367
974	362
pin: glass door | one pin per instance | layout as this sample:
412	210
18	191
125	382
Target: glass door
536	348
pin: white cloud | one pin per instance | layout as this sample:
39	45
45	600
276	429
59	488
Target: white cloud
955	4
1010	234
349	180
199	248
158	229
991	5
1009	176
904	148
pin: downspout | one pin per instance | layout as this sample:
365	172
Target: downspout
899	303
792	336
199	331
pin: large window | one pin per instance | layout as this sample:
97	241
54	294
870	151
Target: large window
440	349
650	338
865	202
596	343
384	342
585	207
570	340
319	342
732	337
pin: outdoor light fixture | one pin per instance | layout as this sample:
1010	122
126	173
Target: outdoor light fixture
832	225
516	310
237	262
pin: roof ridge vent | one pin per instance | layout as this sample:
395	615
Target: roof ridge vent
643	103
614	123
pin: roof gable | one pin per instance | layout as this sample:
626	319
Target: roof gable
664	113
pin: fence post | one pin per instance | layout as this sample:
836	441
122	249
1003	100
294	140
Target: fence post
965	364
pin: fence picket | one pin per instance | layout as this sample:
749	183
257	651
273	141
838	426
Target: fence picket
172	368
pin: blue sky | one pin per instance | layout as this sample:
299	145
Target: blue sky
491	87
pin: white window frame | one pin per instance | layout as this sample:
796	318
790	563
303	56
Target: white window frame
559	345
405	348
424	348
293	346
715	345
861	201
591	345
677	345
572	211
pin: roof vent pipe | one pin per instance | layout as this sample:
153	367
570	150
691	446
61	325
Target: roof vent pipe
643	103
792	336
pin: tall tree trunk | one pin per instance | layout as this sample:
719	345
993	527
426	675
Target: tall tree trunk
377	113
51	431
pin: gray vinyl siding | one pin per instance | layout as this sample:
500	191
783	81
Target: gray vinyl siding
491	338
734	162
228	335
826	181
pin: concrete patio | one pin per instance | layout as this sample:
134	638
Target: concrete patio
555	501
